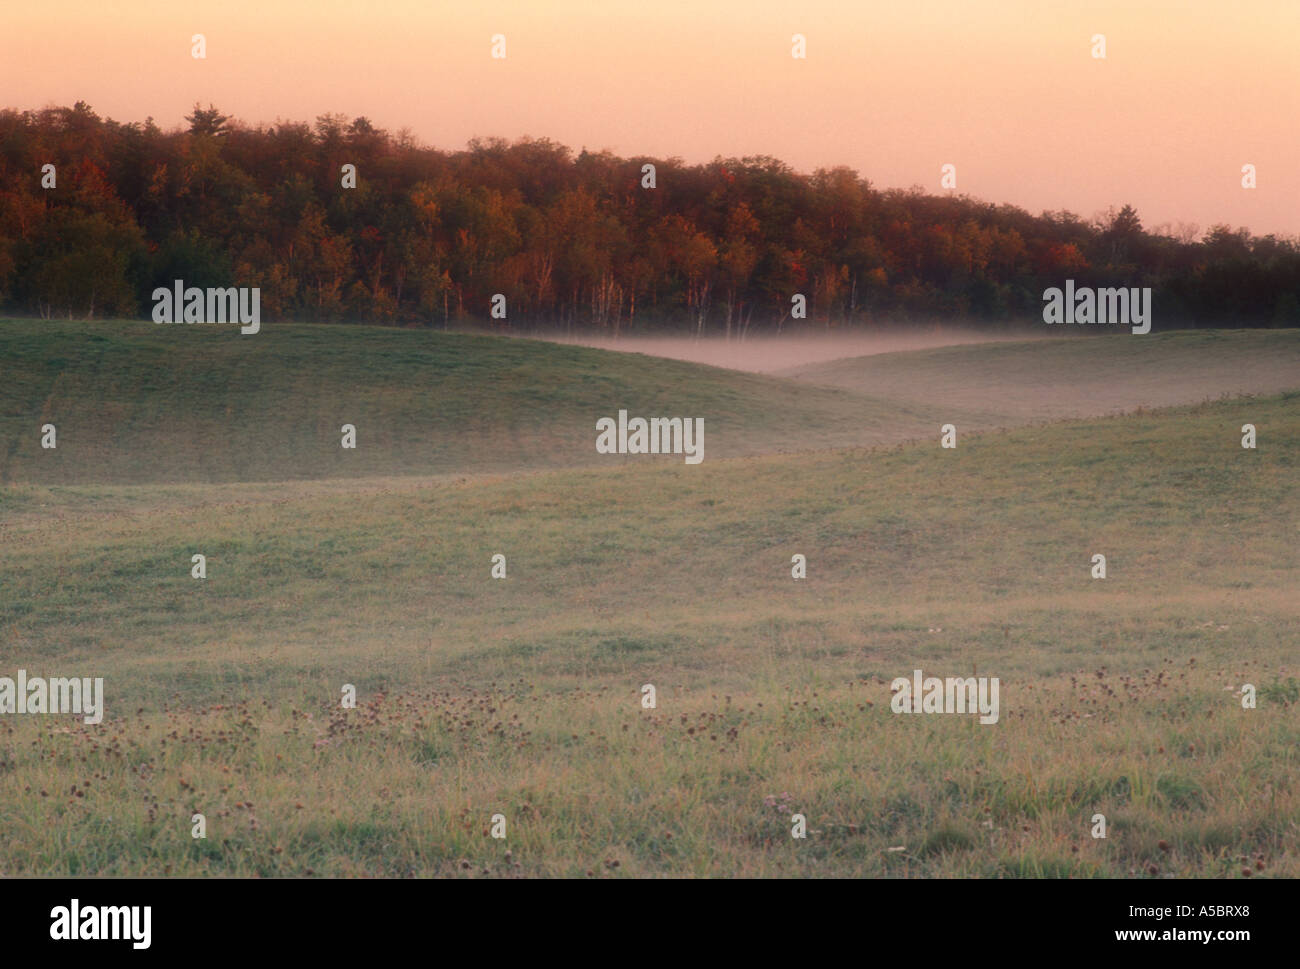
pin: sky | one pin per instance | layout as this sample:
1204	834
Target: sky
1008	91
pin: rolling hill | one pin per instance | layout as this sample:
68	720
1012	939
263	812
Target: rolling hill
138	403
1007	383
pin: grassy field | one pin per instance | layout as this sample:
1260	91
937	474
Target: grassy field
138	403
521	696
1002	384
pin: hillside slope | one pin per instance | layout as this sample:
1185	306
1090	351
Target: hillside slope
1044	380
135	402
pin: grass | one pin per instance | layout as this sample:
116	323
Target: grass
138	403
522	696
1007	383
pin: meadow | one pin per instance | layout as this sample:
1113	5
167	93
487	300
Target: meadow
522	696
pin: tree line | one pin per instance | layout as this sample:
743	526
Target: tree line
428	237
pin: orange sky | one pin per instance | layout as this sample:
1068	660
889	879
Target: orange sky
1004	89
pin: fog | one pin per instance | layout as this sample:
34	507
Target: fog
770	354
